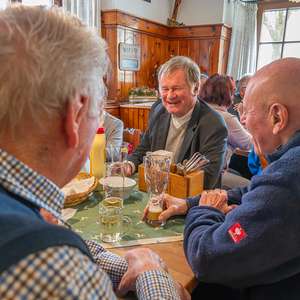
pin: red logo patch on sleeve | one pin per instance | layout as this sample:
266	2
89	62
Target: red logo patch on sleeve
236	232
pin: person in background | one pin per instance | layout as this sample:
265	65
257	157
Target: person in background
52	90
244	243
203	78
218	91
183	124
239	96
113	129
239	163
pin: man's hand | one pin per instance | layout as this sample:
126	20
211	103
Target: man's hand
183	293
139	261
218	199
48	217
127	168
172	206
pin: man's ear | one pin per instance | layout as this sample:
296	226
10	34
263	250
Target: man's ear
196	89
74	116
278	117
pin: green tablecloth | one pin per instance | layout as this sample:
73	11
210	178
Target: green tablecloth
85	222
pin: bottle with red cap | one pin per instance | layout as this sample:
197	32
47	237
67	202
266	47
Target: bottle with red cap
97	158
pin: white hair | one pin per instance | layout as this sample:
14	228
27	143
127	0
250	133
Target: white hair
46	56
191	70
242	81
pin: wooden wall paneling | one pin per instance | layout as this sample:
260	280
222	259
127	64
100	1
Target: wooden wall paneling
120	74
145	119
128	75
157	56
141	119
124	112
184	48
164	51
130	117
152	61
195	50
137	37
214	57
174	48
118	17
145	59
111	38
135	118
223	57
204	56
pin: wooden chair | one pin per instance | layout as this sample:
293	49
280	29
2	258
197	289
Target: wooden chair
132	138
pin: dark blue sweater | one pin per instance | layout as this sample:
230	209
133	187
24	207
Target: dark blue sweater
264	261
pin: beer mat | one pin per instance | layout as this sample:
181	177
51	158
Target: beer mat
85	222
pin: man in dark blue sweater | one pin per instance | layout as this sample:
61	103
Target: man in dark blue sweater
246	243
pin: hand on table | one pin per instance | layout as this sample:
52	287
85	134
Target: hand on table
127	168
218	199
139	261
172	206
183	293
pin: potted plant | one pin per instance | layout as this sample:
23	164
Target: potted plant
142	94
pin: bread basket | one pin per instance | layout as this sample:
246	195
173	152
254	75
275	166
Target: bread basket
75	199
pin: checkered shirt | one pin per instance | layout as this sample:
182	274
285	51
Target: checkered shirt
64	272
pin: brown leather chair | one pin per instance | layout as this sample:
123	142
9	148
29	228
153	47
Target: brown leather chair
132	138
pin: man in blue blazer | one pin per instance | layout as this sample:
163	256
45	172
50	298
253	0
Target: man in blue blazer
182	124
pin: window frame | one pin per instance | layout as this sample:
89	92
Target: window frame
272	5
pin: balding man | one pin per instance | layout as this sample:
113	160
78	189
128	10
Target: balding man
248	239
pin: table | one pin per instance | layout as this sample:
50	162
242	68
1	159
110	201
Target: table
166	241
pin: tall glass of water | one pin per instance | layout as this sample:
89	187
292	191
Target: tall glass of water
156	171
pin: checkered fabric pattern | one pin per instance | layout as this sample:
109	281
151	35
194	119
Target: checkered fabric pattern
64	272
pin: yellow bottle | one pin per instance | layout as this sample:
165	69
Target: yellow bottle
97	158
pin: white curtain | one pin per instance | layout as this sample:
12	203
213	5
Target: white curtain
242	53
86	10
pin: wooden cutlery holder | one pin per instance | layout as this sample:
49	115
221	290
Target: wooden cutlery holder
178	186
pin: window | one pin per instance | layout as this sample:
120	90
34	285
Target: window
278	31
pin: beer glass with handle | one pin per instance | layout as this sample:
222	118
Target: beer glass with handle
156	171
111	207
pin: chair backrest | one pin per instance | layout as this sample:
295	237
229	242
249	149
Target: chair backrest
132	138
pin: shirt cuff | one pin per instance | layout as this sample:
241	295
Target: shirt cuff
156	284
132	166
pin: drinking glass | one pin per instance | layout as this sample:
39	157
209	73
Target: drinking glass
156	171
113	180
111	220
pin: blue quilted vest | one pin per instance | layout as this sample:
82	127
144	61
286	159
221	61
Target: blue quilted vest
24	231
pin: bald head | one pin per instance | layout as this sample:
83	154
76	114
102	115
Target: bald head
279	82
272	104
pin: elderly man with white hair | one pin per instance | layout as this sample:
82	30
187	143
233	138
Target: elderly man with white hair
52	90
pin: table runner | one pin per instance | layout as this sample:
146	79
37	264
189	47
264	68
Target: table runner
85	222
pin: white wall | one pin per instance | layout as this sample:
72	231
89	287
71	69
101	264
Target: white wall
157	10
200	12
191	12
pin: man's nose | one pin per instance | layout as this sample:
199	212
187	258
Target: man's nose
171	94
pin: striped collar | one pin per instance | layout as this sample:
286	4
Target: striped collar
23	181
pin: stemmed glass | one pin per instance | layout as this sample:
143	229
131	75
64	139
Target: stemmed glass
156	171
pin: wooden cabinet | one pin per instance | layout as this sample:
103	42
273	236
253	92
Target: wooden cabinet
135	115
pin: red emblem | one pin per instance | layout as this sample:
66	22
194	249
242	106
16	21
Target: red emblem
236	232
